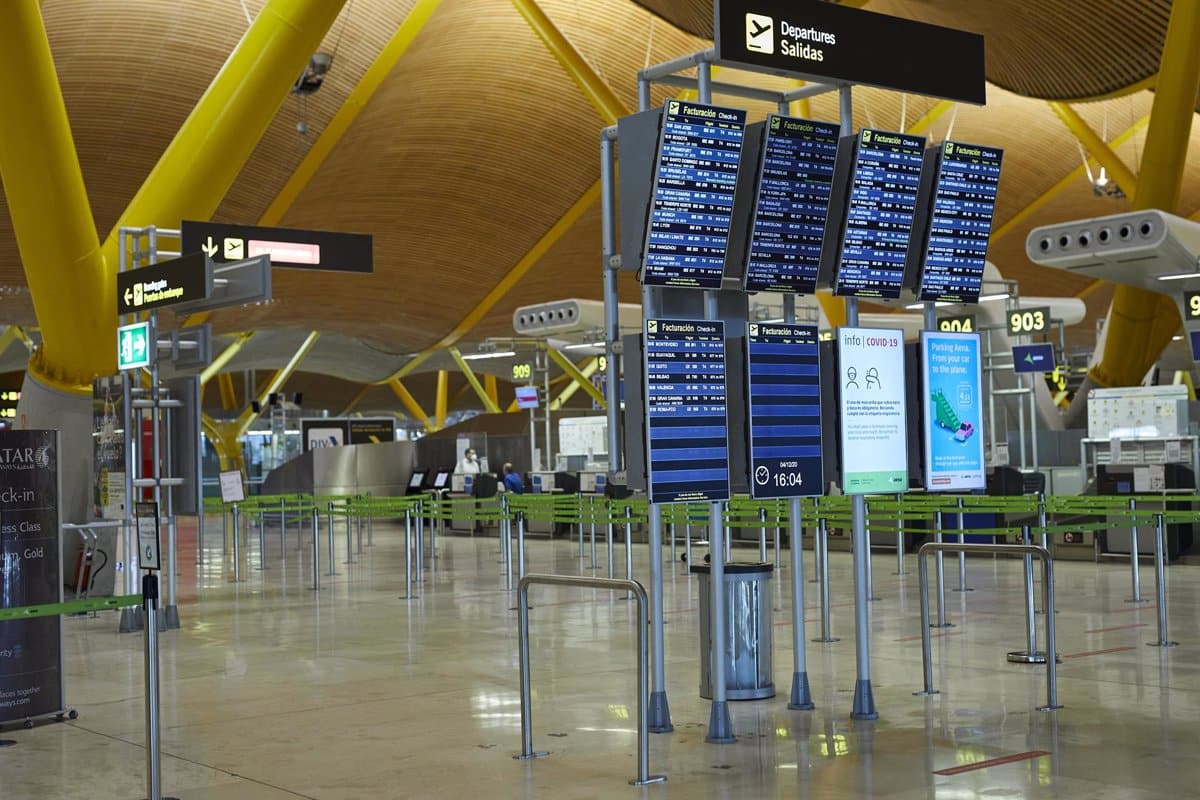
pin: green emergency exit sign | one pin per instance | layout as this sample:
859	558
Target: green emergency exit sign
135	346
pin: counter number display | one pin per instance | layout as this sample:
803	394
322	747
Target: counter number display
791	205
885	179
694	178
1191	305
784	410
1028	320
960	223
687	448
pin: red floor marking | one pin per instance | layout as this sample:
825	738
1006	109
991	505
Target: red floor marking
1118	628
917	638
1134	608
680	610
992	762
1106	651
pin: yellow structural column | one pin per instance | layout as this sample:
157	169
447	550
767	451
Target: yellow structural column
1140	323
48	203
440	403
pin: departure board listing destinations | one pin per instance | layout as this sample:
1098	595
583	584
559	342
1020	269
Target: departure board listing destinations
687	452
694	181
784	388
879	215
964	201
791	205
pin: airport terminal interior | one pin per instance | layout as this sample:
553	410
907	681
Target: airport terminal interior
599	398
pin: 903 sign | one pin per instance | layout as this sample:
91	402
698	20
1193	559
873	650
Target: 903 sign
1028	320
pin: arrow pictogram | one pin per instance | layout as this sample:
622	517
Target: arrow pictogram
209	247
128	297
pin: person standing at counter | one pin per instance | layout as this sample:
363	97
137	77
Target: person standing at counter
469	464
512	480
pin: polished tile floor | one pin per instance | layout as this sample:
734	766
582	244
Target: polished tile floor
272	691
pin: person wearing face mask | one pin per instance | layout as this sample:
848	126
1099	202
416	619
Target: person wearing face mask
469	464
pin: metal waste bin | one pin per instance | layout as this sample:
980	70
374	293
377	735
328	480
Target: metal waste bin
749	673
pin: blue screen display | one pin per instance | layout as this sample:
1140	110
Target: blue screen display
879	214
784	387
687	452
791	205
964	201
690	214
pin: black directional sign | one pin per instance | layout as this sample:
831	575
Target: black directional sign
167	283
287	247
784	410
691	211
687	452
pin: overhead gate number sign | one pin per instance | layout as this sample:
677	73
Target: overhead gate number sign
784	410
687	449
286	247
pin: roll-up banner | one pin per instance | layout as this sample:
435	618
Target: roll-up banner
953	430
874	416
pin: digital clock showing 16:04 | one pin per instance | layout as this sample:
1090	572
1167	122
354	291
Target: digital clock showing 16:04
788	479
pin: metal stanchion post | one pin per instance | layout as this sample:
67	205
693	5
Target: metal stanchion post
899	534
1051	641
687	539
153	740
349	534
408	546
282	538
262	548
420	523
864	699
1160	583
801	696
926	646
329	537
1030	655
520	544
610	542
762	535
237	559
720	725
674	530
821	549
870	563
282	521
818	555
962	556
629	547
941	574
1134	554
316	549
592	517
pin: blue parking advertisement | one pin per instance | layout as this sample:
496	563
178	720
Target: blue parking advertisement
950	367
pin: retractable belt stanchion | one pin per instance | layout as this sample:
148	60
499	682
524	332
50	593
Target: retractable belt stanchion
941	573
870	567
821	547
592	517
329	537
1030	655
1135	573
262	546
1160	583
962	556
720	725
153	739
610	543
629	547
899	534
237	558
408	546
660	710
520	544
762	535
316	549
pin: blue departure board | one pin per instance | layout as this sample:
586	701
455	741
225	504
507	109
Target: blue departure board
884	181
960	224
687	450
695	174
791	205
784	408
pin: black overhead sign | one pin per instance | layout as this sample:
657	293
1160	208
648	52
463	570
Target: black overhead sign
286	247
166	283
824	41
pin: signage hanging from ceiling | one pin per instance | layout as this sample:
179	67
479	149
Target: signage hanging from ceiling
286	247
823	41
167	283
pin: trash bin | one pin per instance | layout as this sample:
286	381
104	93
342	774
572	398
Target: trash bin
749	673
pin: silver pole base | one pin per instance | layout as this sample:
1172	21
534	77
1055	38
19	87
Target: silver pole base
826	641
924	693
131	620
1137	600
531	756
658	716
720	726
649	780
171	616
864	702
801	699
1026	657
1163	644
943	625
1050	708
965	589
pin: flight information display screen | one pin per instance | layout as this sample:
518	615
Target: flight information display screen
884	182
687	449
964	201
791	205
784	409
690	213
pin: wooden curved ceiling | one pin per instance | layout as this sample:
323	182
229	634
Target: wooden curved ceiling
478	141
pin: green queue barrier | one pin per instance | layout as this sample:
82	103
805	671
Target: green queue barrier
70	607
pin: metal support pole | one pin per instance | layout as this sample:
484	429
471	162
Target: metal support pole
870	563
153	739
704	81
687	539
171	612
821	548
801	696
762	535
660	709
262	547
941	574
408	545
899	535
1030	655
1160	583
316	549
592	516
609	543
237	559
329	537
962	556
1134	566
506	550
612	327
349	533
864	699
720	725
629	546
520	544
926	646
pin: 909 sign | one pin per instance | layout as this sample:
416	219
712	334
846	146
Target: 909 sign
1191	305
1028	320
522	372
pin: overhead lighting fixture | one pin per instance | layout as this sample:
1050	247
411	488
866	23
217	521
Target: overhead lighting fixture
584	345
1176	338
1177	276
497	354
921	306
987	298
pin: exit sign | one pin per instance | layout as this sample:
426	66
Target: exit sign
136	346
